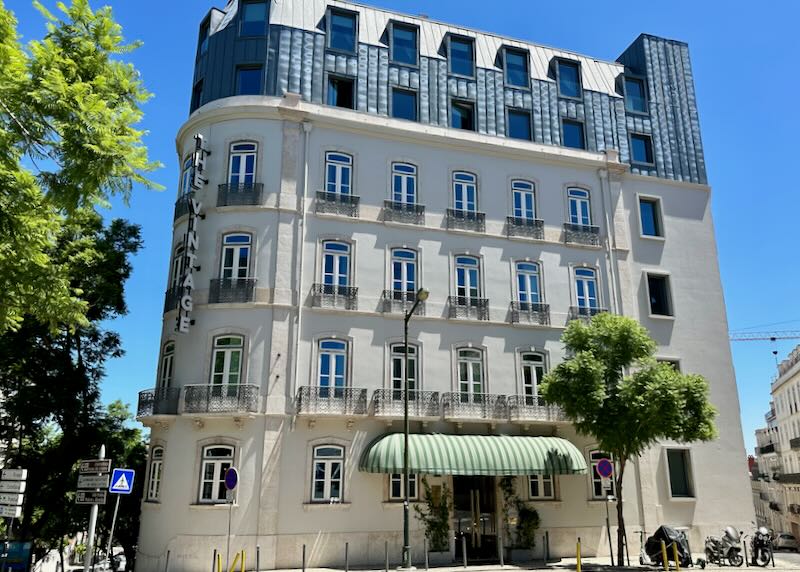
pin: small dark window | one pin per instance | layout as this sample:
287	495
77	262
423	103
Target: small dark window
517	68
197	96
404	44
342	31
641	149
202	41
569	79
341	92
404	104
658	288
248	81
573	134
679	473
650	214
254	19
635	98
519	124
462	115
462	56
674	364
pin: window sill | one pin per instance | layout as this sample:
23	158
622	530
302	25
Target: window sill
314	506
212	506
462	76
343	52
571	98
661	317
392	504
551	502
683	499
414	67
526	88
640	165
652	237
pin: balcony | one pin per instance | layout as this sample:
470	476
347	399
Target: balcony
160	401
238	398
765	497
322	401
403	212
398	301
775	506
767	449
788	478
465	307
581	234
794	443
337	203
532	408
388	403
172	298
525	227
332	296
241	194
584	312
530	313
232	290
466	220
474	407
182	206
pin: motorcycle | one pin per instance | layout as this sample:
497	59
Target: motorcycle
727	547
761	547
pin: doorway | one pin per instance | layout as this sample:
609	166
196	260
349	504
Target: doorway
474	510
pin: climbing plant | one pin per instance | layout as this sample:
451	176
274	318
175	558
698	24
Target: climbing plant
435	516
527	517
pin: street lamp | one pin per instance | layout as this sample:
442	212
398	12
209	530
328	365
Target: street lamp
420	296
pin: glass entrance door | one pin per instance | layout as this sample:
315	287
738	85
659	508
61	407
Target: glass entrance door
475	517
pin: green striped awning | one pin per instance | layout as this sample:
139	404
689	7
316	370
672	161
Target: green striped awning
437	454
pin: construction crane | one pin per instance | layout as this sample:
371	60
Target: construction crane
764	336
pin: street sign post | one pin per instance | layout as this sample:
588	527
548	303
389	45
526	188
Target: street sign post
605	468
12	487
93	482
15	474
231	482
10	511
121	484
93	476
91	497
11	499
95	466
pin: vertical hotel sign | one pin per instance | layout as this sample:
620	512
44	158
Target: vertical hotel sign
190	240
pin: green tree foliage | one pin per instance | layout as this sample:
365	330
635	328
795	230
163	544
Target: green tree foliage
68	110
612	388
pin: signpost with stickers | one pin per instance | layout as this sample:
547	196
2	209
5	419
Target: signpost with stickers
12	497
93	478
605	468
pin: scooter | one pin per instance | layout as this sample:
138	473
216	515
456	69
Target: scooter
761	547
727	547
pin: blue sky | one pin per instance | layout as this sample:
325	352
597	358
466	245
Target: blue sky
744	56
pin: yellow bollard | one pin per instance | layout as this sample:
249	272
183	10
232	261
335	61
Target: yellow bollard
219	562
244	559
235	560
675	555
578	556
664	555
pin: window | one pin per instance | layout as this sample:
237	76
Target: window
641	149
679	473
532	373
404	104
516	68
335	264
598	490
227	360
254	19
465	192
167	365
673	363
658	293
403	46
404	271
177	267
541	487
242	164
396	487
328	468
332	368
462	115
202	41
461	56
650	216
468	277
217	459
586	288
580	211
399	367
524	199
519	124
635	95
404	183
186	177
235	256
197	96
569	79
338	173
572	134
470	373
248	80
341	91
342	30
528	290
156	469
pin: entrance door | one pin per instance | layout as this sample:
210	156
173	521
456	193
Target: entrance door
474	508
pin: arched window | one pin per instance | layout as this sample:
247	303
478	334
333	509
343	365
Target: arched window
328	473
465	192
227	360
235	256
338	173
404	183
586	290
470	374
242	164
335	265
404	274
600	489
532	364
468	278
156	470
217	459
167	365
332	368
524	200
398	366
580	211
529	289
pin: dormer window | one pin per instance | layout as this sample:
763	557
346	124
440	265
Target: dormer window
461	55
202	41
568	76
403	44
516	67
254	18
342	30
635	95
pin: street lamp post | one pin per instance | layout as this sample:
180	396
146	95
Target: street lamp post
420	296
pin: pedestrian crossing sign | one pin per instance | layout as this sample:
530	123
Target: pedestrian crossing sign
122	481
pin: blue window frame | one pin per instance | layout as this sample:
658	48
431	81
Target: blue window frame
342	30
235	257
635	95
519	124
641	149
524	199
462	115
468	277
404	270
573	135
569	79
528	286
403	45
248	80
332	377
404	104
516	68
586	288
650	215
186	177
404	183
254	18
335	264
338	173
341	92
580	211
461	57
242	166
465	192
202	41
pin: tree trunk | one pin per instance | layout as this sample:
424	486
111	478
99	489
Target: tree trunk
620	519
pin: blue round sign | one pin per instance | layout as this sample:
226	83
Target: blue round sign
605	469
231	478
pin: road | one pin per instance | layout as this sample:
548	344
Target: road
787	560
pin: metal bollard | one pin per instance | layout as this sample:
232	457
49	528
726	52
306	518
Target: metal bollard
304	558
664	559
578	556
500	548
219	562
244	560
166	564
258	558
425	549
546	545
346	557
464	549
386	556
675	556
214	561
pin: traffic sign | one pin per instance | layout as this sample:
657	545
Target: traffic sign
92	481
15	474
12	486
605	469
10	511
95	466
122	481
91	497
231	478
11	499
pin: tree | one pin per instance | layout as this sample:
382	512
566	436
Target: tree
612	388
69	108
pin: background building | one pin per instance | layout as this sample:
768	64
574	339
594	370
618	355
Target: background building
339	157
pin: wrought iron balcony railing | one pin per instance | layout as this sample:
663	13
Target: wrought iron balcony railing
794	443
770	448
581	234
401	302
172	298
463	405
466	307
403	212
239	194
331	401
421	404
584	312
525	227
232	290
182	206
466	220
159	401
530	313
230	398
332	296
524	408
337	203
